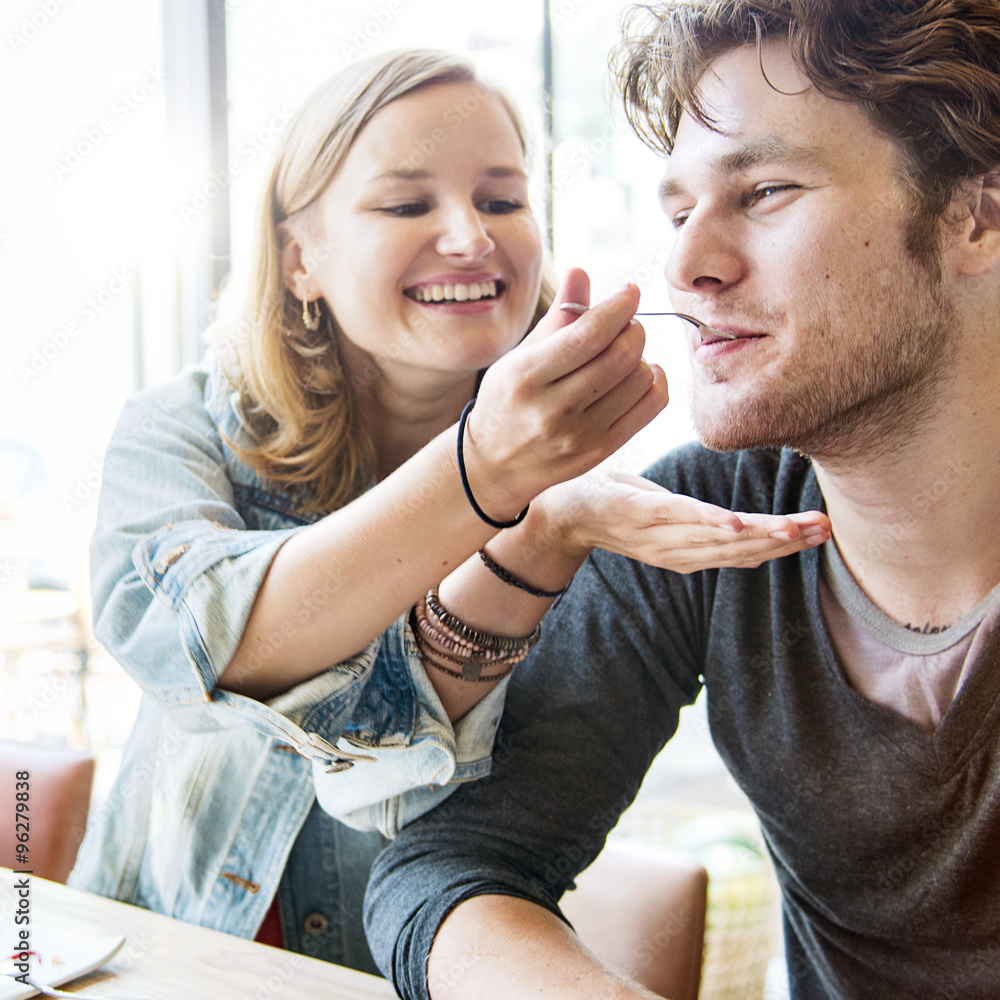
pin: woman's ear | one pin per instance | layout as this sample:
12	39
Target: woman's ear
297	278
981	250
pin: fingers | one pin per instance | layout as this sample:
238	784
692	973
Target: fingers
677	509
574	287
611	404
625	427
813	524
746	554
564	348
687	549
683	534
593	380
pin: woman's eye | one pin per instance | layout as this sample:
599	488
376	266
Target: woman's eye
500	206
407	210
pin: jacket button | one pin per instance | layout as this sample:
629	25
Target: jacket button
316	924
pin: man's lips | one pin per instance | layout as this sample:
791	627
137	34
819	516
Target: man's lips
733	331
712	346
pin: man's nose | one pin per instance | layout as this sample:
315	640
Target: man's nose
705	256
464	234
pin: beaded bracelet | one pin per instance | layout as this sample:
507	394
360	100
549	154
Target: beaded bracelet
471	661
483	639
460	453
434	626
471	669
468	672
498	571
427	629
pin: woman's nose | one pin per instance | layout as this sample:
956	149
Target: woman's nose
464	235
705	256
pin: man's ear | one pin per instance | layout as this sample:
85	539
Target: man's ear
981	250
297	278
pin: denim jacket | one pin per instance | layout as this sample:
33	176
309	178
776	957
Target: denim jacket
215	786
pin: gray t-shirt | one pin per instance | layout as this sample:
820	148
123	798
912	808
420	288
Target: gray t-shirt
916	671
885	837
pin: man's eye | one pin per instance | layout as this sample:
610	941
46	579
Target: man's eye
407	210
500	206
679	219
768	191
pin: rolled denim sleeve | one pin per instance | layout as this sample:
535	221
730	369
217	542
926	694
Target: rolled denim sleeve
420	775
175	574
176	571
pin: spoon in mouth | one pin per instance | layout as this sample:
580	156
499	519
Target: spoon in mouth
579	308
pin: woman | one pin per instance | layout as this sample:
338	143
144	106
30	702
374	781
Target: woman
275	520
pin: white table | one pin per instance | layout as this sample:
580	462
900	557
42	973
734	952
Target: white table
167	959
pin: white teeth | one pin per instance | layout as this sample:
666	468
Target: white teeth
457	293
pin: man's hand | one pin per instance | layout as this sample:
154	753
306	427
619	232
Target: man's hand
637	518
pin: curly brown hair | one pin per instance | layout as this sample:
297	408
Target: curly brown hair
926	73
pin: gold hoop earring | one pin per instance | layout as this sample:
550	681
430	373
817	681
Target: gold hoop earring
311	322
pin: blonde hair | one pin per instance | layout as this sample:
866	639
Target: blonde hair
295	397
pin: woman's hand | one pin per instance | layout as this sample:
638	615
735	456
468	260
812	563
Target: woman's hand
567	397
639	519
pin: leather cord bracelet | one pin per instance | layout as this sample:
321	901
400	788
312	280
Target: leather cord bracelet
498	571
460	453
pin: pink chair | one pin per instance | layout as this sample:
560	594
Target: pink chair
641	909
59	782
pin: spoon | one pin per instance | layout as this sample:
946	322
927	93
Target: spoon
579	308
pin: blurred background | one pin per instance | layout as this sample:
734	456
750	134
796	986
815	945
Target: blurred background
135	137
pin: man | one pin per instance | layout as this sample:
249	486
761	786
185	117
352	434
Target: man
834	180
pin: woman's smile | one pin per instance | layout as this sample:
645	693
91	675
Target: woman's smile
458	294
437	263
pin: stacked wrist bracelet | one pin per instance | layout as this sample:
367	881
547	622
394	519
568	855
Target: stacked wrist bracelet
460	455
498	571
442	638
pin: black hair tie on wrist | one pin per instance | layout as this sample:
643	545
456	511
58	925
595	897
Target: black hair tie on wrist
460	449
